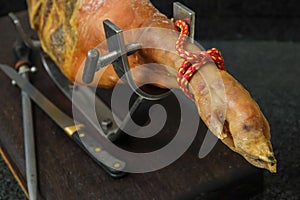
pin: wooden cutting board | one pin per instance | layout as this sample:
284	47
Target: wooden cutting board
66	172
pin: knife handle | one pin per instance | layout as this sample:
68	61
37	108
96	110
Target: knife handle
22	53
109	163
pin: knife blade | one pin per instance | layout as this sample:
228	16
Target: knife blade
91	145
84	96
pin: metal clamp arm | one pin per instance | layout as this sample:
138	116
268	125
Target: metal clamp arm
94	61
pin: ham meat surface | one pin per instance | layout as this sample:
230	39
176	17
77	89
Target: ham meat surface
69	28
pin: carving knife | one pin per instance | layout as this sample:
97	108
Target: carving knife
85	97
86	141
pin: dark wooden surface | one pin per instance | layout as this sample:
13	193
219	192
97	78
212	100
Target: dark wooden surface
66	172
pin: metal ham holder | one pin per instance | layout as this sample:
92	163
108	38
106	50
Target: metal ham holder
109	128
117	56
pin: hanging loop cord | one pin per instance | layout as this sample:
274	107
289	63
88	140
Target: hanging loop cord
193	61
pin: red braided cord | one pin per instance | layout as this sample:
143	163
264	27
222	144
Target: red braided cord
193	61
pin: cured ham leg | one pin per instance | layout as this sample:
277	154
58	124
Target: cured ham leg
68	29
